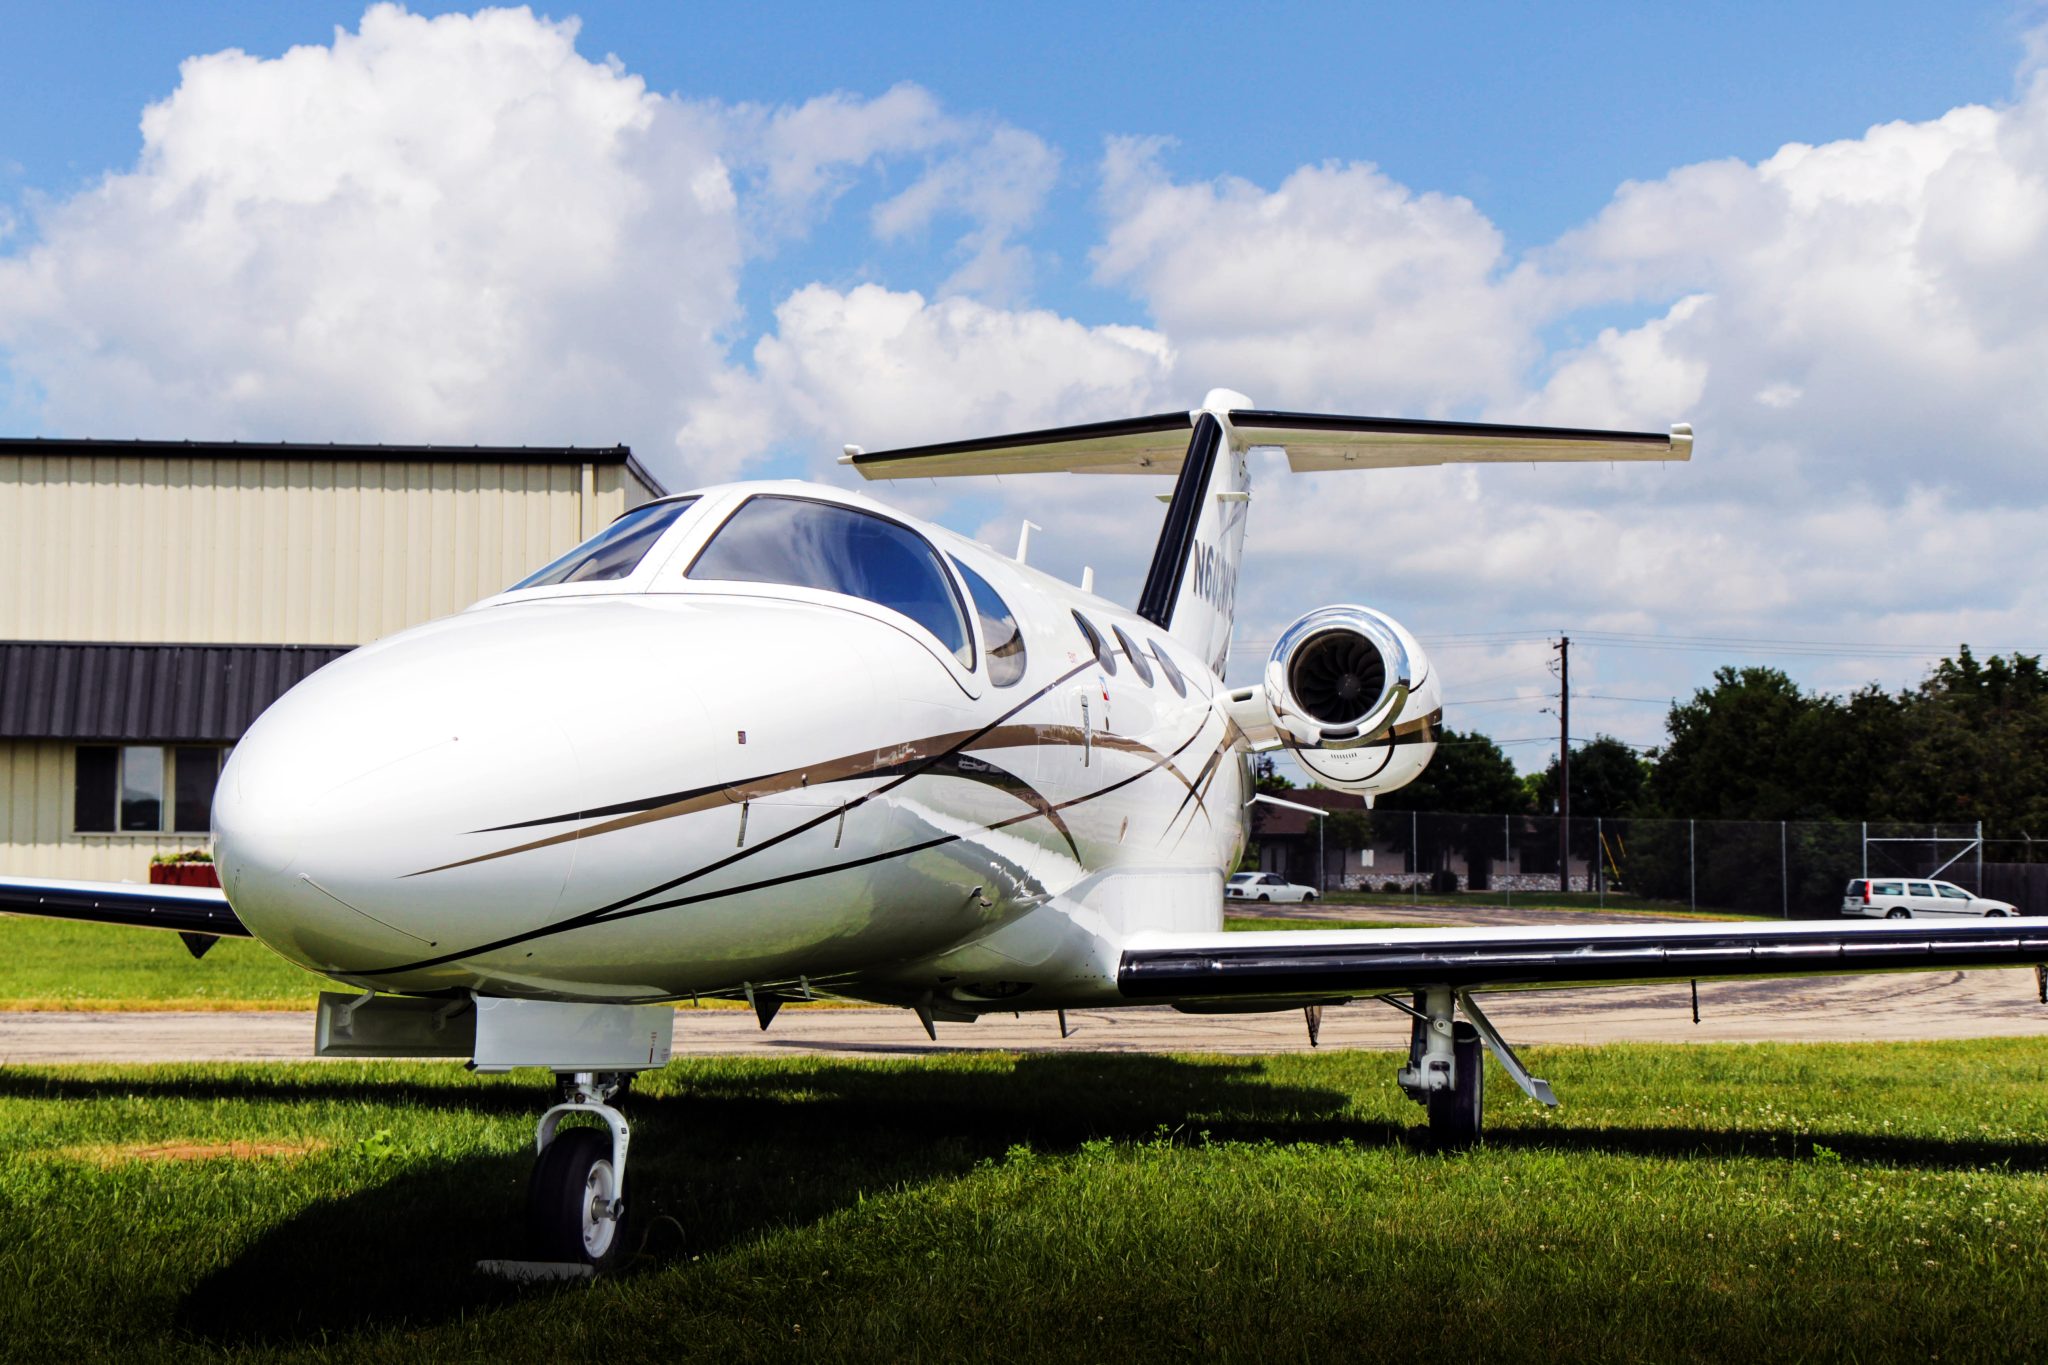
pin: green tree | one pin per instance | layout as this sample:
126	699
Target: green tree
1973	746
1267	777
1468	776
1348	828
1756	747
1608	779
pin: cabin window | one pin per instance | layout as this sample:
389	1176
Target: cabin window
807	544
145	788
1135	655
999	632
1104	655
1172	671
613	552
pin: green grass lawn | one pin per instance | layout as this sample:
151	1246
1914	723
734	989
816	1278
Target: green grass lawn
55	965
52	964
1688	1203
1261	923
1531	900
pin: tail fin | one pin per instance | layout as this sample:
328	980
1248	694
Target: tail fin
1191	590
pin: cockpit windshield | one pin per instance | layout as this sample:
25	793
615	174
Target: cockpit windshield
613	552
807	544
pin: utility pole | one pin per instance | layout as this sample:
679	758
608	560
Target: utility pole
1564	763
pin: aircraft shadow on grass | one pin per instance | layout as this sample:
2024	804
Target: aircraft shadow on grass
738	1154
731	1157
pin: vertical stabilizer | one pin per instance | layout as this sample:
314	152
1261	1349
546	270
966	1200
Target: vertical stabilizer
1191	589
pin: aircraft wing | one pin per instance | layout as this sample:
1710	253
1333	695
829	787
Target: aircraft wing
1314	441
1339	963
198	914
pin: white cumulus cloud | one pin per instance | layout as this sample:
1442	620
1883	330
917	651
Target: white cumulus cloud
433	229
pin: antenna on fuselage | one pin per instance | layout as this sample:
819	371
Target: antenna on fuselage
1024	540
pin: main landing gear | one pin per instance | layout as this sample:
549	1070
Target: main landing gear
576	1197
1446	1071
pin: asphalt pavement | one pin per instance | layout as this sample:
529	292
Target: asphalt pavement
1895	1006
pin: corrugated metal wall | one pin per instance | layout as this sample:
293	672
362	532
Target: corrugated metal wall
241	551
277	551
35	823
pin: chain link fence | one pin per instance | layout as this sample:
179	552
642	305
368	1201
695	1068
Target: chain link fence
1796	869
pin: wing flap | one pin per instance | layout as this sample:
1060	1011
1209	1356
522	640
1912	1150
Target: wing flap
181	909
1281	966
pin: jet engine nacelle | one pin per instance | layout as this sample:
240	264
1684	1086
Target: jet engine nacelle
1351	695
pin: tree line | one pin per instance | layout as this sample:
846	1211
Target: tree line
1968	743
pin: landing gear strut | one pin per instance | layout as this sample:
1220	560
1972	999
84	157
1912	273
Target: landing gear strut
1446	1072
576	1197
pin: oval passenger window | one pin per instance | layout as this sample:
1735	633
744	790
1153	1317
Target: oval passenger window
1135	655
1172	672
1103	654
1001	638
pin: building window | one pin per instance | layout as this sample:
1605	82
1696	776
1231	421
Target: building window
142	787
92	805
197	771
145	788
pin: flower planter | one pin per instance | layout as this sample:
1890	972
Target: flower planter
183	874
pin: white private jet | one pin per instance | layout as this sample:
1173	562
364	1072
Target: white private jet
771	740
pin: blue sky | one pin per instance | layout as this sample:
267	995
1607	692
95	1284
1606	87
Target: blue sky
1534	112
1818	232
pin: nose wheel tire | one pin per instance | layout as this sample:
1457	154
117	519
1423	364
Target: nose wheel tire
573	1211
1455	1112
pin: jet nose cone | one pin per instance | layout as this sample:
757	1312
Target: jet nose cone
374	769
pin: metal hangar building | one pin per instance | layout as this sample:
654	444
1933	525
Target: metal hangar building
161	594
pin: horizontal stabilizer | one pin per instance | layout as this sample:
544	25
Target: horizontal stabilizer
1137	445
1313	441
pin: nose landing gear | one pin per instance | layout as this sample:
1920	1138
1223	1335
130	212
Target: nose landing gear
576	1197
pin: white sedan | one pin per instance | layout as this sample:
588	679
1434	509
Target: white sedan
1899	898
1265	886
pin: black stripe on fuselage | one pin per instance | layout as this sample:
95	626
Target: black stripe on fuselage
592	916
616	911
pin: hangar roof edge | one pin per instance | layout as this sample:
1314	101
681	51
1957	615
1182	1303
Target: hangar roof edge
101	447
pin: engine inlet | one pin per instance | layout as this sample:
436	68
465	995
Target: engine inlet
1337	677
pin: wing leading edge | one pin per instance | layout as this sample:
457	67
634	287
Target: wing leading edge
1339	963
198	914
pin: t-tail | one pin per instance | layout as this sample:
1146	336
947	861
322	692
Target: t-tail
1347	689
1191	588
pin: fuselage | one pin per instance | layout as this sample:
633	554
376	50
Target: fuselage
689	779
